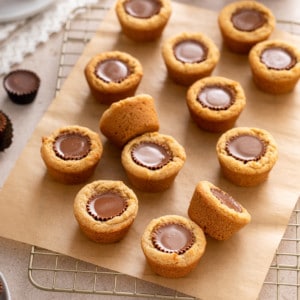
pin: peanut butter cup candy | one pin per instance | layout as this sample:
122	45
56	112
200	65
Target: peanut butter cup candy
173	245
6	131
275	66
21	86
105	210
129	118
215	103
244	24
113	76
217	212
152	161
246	155
143	20
189	57
71	153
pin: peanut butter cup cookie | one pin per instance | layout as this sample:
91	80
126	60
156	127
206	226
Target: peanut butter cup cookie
217	212
275	66
105	210
189	57
173	245
246	155
143	20
71	153
129	118
245	23
152	161
215	103
113	75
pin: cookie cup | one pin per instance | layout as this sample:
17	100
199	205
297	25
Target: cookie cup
240	41
109	92
250	173
271	80
143	29
173	265
215	120
108	231
148	179
129	118
216	219
187	73
71	171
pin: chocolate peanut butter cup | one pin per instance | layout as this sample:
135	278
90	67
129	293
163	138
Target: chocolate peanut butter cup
226	199
142	9
72	146
6	131
216	97
21	86
173	238
105	206
247	19
190	51
277	58
151	155
246	147
112	70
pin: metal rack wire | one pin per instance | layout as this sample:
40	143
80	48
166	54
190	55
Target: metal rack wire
56	272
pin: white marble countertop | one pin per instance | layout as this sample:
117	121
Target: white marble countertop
14	256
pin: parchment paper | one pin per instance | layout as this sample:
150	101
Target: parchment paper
39	211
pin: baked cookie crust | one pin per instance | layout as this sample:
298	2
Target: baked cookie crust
241	41
109	92
173	265
252	172
188	73
114	229
216	119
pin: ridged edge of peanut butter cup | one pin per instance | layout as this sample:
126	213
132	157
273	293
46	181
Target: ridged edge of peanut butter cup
164	149
96	216
160	247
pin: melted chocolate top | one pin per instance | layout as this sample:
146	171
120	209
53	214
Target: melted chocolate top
226	199
103	207
246	147
72	146
142	9
173	238
216	97
151	155
247	19
112	70
22	82
190	51
277	58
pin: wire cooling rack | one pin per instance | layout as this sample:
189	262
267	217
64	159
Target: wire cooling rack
56	272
